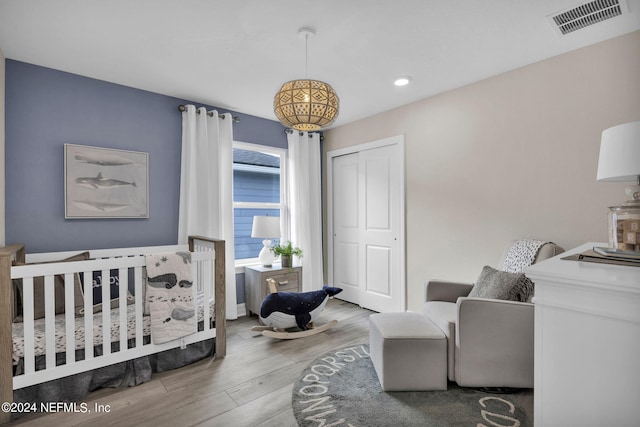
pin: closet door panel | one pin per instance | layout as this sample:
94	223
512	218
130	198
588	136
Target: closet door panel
366	208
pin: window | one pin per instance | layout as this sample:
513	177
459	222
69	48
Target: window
259	188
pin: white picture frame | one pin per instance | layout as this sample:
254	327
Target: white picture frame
105	183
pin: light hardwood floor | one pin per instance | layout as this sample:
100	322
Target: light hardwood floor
250	387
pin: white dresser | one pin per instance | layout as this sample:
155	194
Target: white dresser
587	343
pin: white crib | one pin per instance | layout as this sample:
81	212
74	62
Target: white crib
125	323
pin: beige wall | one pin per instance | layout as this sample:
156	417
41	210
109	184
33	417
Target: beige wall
2	233
513	156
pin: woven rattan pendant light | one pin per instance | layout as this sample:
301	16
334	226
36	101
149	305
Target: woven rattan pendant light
306	105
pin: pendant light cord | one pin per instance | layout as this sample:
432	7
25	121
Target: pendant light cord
306	56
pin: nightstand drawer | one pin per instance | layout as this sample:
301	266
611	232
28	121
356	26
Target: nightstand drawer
286	282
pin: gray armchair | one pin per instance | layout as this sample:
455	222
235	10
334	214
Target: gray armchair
490	341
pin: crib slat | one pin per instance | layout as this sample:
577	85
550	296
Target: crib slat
87	279
50	321
105	279
69	317
194	291
122	291
140	303
27	313
206	268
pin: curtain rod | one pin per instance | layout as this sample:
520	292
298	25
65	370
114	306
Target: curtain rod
183	108
289	130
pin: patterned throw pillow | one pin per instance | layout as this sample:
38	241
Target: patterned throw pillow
496	284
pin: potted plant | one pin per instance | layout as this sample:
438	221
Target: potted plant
286	252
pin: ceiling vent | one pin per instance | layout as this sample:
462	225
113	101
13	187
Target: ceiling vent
577	18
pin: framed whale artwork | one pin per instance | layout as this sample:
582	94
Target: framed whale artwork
105	183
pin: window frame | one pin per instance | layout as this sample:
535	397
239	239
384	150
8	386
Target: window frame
284	196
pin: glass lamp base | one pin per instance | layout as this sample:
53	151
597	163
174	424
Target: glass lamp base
624	226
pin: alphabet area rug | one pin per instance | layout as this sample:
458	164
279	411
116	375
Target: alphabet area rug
341	388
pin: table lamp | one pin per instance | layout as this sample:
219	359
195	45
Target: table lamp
620	161
266	227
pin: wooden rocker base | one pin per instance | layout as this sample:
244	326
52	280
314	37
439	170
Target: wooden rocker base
268	331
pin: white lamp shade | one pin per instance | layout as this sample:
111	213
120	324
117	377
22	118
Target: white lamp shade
620	153
266	227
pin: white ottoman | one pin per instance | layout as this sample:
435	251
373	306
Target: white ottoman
408	351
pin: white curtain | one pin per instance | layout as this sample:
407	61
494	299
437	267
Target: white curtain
306	205
206	186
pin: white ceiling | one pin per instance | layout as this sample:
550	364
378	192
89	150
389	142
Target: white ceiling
235	54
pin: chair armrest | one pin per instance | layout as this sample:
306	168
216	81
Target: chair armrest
494	343
440	290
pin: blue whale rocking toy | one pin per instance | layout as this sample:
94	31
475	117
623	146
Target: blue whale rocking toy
282	310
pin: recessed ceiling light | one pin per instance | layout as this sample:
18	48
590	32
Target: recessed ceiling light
402	81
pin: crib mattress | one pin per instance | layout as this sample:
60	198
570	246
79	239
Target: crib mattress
60	330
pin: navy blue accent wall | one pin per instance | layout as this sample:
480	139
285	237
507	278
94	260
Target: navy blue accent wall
47	108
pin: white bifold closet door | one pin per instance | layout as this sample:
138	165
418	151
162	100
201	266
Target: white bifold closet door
366	226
